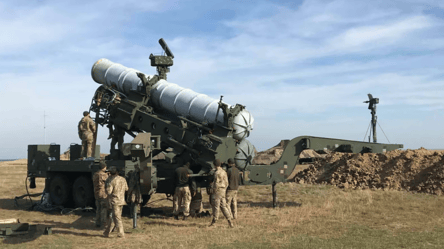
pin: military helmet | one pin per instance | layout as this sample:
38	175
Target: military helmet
85	113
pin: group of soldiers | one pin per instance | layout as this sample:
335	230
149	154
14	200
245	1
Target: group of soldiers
109	191
222	191
110	188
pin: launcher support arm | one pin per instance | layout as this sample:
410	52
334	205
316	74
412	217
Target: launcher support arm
282	169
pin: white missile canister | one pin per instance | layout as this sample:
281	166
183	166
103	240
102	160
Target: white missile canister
171	97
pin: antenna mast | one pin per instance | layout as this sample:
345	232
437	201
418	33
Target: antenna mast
372	106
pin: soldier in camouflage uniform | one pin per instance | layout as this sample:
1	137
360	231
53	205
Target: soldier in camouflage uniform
233	186
100	195
210	187
87	128
182	193
117	138
196	206
115	188
219	189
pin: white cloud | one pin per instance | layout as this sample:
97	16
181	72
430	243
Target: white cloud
369	37
303	70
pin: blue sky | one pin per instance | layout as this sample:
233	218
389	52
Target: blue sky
300	67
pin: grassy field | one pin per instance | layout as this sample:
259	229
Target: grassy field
308	216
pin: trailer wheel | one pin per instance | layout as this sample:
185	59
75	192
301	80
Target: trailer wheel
60	190
145	199
83	192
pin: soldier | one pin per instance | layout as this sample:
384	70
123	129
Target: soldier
210	187
233	186
219	188
182	194
115	188
87	128
117	135
99	179
196	206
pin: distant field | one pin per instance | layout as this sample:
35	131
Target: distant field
328	218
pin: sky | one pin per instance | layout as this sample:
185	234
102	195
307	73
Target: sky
299	67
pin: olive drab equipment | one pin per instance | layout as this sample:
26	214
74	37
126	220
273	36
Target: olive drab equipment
183	125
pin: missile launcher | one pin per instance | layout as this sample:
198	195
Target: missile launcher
183	125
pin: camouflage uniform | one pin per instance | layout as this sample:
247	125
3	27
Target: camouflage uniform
134	195
87	128
115	188
196	206
182	196
117	138
210	190
232	202
219	187
100	195
182	193
233	186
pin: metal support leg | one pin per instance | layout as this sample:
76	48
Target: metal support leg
134	212
274	193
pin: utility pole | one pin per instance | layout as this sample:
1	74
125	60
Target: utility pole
372	106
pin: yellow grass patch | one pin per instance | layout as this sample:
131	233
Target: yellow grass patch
316	216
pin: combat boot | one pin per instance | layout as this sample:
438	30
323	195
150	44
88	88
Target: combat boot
176	217
212	223
230	223
185	217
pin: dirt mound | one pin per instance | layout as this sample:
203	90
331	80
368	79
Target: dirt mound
412	170
269	156
273	154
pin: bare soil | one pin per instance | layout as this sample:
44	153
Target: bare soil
273	155
418	170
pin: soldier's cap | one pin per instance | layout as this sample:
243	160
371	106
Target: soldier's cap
230	161
187	164
113	170
217	162
85	113
102	165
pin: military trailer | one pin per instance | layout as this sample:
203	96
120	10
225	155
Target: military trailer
163	117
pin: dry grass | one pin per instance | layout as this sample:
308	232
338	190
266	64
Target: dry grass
328	218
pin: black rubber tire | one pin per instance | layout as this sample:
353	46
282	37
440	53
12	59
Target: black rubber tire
145	199
60	190
83	192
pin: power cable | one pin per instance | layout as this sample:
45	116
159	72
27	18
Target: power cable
27	191
66	211
159	200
